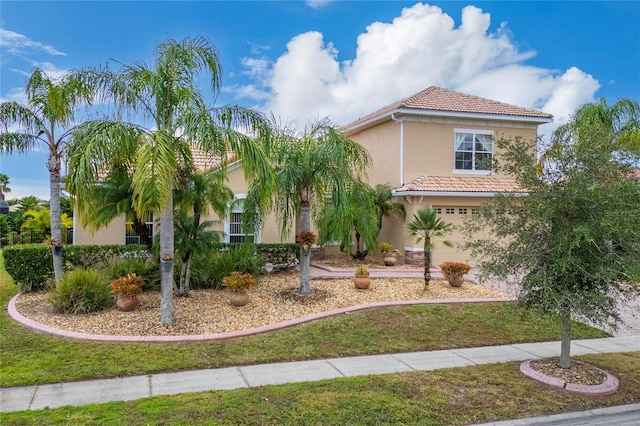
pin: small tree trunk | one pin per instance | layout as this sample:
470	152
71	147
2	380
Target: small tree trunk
565	345
166	277
427	263
54	208
305	255
183	275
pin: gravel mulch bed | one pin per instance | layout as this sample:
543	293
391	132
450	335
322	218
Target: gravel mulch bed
272	300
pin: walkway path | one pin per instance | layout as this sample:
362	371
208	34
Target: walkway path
130	388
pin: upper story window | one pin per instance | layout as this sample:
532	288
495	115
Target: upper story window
473	150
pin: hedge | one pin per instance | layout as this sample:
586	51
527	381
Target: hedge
31	265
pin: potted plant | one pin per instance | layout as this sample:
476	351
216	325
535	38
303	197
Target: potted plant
127	289
390	255
361	279
238	283
454	272
166	262
306	239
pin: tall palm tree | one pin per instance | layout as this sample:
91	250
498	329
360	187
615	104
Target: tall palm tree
51	106
425	226
311	169
196	196
4	185
166	95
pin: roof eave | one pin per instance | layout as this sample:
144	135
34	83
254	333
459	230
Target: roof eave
440	113
396	193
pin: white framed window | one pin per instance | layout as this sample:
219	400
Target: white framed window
234	231
473	150
130	234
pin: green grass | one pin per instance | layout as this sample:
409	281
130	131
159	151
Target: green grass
456	396
30	358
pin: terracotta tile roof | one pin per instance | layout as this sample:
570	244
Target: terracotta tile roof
636	173
206	162
438	99
460	184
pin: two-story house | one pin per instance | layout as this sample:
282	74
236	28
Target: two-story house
436	149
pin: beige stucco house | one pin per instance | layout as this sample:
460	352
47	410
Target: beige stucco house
434	148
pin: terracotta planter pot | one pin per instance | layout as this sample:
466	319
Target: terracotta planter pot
126	302
456	280
238	298
390	260
362	282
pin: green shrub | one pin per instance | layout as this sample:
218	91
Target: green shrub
31	266
148	269
208	270
81	291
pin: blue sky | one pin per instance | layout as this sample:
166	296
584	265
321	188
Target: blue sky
302	60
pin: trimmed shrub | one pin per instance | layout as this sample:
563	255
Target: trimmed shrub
31	266
81	291
209	270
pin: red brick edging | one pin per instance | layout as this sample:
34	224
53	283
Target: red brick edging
42	328
609	386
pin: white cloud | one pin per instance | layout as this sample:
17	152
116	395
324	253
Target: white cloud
421	47
17	44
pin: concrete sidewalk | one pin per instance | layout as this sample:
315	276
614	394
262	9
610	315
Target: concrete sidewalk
130	388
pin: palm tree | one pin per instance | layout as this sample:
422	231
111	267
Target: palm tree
616	125
311	169
383	199
360	218
194	197
51	106
4	185
166	95
425	226
113	197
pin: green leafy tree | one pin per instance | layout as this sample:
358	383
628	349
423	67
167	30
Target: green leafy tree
167	96
195	197
51	106
572	243
425	226
310	170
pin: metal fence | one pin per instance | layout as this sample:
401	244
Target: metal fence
32	236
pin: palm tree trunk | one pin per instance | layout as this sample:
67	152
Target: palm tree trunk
166	277
305	255
565	344
427	263
54	208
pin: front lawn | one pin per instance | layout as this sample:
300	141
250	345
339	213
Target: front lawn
30	358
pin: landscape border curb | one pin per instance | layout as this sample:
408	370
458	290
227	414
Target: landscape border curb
43	328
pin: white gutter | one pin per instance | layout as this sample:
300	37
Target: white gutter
393	117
